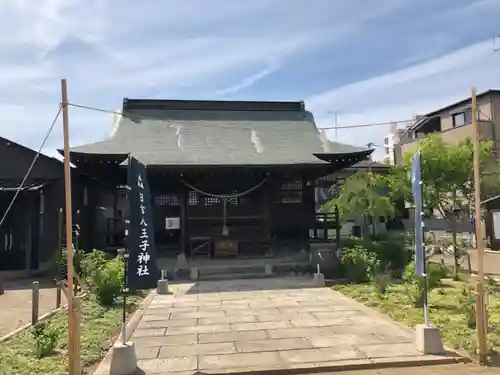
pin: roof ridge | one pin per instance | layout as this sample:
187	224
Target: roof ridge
212	105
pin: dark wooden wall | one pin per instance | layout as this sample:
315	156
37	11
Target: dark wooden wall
29	220
35	213
18	231
281	211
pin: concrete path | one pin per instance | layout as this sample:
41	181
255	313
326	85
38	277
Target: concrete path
491	262
15	303
269	324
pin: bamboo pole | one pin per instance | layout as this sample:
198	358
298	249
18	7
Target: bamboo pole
480	307
72	336
76	348
60	223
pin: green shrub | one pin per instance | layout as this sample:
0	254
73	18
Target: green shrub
62	263
416	284
467	305
493	286
393	252
415	292
109	282
103	276
61	268
380	237
409	273
390	250
91	263
435	272
381	282
46	338
358	264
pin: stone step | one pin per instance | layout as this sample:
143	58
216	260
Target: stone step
240	271
233	276
231	269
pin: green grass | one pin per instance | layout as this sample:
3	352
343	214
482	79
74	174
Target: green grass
99	326
444	311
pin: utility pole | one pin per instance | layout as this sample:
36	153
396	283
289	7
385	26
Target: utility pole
335	124
335	121
373	218
481	320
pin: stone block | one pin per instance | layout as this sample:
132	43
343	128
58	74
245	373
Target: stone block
193	273
319	279
162	287
428	339
182	273
123	359
269	270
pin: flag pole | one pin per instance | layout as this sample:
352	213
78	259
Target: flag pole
427	337
125	260
125	291
420	259
425	292
481	325
424	266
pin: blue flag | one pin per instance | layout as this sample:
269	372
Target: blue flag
416	186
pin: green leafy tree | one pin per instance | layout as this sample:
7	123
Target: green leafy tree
447	175
362	194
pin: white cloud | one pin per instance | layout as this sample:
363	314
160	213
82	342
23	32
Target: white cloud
248	81
50	21
402	94
198	48
112	49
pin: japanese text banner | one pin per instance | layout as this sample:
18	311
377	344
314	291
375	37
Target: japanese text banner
142	270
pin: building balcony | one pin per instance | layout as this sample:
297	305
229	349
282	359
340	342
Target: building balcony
455	135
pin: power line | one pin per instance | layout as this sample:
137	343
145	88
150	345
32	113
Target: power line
367	125
20	187
141	117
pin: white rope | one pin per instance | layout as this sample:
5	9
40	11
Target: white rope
226	196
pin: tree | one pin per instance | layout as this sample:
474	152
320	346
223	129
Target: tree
447	179
386	160
362	195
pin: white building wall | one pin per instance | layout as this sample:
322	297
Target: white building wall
390	140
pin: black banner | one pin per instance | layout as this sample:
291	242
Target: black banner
142	270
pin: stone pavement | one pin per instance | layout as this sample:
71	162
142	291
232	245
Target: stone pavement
267	324
455	369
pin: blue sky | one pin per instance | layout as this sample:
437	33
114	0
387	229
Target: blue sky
370	61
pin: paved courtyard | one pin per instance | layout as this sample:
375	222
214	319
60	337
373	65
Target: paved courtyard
250	325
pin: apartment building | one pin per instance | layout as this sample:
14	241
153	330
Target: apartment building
390	140
454	123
